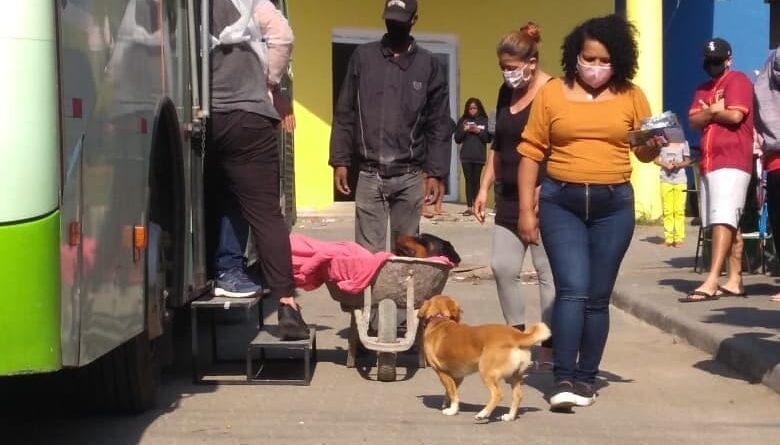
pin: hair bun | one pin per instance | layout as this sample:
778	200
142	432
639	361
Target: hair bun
531	29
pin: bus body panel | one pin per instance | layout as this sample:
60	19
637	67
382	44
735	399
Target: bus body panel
29	319
29	160
120	60
29	182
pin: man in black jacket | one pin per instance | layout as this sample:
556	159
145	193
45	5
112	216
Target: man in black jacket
393	115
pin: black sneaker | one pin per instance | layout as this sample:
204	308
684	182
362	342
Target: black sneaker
291	324
586	393
567	395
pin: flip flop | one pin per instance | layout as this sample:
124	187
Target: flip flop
728	293
700	293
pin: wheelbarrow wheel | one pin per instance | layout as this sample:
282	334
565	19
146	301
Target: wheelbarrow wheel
386	367
387	333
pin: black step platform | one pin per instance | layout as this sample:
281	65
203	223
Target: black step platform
212	305
268	340
269	360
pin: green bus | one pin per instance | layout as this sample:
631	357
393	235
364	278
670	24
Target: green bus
101	188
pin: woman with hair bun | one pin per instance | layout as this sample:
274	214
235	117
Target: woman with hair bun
518	59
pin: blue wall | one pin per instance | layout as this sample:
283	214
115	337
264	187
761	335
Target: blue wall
745	25
688	24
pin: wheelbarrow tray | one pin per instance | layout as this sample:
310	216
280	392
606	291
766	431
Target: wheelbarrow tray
401	282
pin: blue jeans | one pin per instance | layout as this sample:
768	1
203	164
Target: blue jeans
243	152
233	235
586	231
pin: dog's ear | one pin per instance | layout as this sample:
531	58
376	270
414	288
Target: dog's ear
409	246
439	247
455	312
423	312
451	253
400	245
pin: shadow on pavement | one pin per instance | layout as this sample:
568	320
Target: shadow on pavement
435	402
759	350
45	417
681	262
715	367
49	409
680	285
750	317
652	239
406	365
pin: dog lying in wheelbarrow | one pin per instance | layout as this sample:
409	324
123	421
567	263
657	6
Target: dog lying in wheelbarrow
425	245
455	350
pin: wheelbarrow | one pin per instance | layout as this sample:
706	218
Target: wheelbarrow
401	283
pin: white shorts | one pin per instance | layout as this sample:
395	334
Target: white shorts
722	196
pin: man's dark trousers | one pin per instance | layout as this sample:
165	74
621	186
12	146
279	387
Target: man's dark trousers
244	148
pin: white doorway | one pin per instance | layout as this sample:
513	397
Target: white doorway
445	49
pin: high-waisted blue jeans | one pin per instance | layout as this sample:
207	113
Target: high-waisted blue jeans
586	230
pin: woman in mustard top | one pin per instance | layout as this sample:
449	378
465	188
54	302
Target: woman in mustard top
579	124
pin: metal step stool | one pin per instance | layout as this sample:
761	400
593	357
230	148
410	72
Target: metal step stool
268	340
213	305
265	339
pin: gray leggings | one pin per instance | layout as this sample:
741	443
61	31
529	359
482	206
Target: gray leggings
507	264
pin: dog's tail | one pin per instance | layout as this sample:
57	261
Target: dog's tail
534	334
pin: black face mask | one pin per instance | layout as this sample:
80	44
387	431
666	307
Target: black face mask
714	68
398	33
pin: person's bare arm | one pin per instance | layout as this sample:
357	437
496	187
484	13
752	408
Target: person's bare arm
715	112
648	153
487	181
685	162
528	221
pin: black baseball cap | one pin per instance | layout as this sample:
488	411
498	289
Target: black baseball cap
400	10
717	49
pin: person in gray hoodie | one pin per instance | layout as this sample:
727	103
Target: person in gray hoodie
767	120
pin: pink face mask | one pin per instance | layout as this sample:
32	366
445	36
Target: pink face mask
594	76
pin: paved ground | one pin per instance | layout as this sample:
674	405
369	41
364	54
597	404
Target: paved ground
656	388
741	332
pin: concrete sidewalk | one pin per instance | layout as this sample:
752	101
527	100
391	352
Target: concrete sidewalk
743	333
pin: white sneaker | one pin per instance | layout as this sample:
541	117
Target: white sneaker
568	395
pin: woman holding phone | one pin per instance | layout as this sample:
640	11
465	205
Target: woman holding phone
472	134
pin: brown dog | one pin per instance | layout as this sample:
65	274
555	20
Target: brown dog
425	245
456	350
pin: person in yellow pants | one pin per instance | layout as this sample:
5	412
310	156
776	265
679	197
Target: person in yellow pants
674	183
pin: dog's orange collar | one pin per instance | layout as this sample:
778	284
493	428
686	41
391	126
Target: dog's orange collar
436	317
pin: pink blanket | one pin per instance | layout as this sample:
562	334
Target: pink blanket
345	263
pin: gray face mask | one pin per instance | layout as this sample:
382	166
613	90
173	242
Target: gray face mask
517	78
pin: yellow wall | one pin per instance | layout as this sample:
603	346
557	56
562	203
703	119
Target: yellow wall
647	15
478	26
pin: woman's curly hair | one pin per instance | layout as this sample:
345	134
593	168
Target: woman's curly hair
619	37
